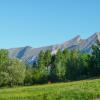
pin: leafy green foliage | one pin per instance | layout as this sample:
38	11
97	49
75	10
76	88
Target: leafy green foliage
95	59
16	70
12	71
63	66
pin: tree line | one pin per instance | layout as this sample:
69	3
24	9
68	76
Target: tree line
61	67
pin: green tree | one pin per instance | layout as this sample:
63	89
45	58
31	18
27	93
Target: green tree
72	65
29	72
52	73
95	60
4	61
84	67
16	71
47	58
41	61
42	69
66	56
11	70
59	66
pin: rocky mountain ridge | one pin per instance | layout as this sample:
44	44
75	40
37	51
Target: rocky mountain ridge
29	54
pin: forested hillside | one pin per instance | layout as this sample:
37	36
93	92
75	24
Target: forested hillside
63	66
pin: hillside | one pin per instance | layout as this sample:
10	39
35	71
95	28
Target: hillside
80	90
29	54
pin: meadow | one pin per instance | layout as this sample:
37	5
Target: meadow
80	90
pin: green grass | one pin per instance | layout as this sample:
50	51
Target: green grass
80	90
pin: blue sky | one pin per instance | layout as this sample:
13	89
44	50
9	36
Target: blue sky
44	22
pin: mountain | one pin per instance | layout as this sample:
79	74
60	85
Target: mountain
29	54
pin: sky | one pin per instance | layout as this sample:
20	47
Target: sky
39	23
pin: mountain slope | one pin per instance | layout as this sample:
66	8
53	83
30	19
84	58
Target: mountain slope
29	54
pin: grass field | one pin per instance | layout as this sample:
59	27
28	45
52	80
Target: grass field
80	90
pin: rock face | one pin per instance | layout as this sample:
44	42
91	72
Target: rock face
29	54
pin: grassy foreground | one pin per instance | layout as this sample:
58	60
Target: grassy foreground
81	90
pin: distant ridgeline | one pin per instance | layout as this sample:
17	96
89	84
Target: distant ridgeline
58	63
29	54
